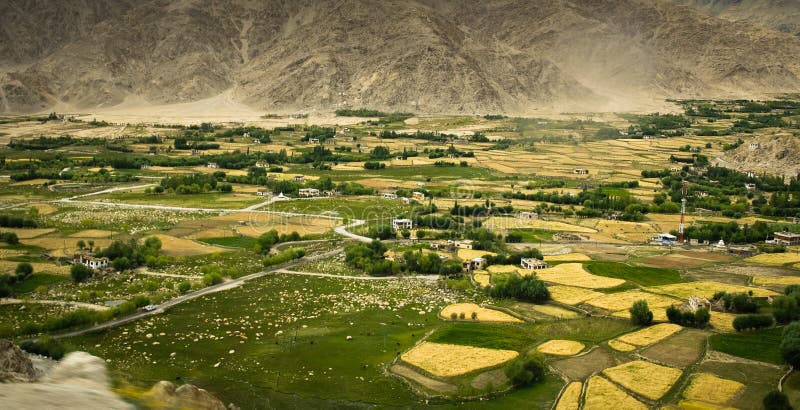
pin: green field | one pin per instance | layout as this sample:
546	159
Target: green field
508	337
644	276
763	345
36	280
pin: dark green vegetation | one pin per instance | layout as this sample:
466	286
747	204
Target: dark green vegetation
790	345
640	313
641	275
524	288
761	345
698	319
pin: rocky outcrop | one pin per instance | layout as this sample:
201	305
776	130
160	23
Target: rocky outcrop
166	395
15	366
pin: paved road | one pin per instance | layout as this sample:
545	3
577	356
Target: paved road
194	295
109	190
342	230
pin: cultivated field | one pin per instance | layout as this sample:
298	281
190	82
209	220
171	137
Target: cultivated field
707	389
601	394
443	360
483	314
646	336
644	378
574	274
561	347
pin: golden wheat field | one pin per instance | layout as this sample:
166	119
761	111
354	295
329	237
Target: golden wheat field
514	223
621	346
776	280
93	233
722	321
556	311
466	254
622	301
649	335
482	278
706	289
570	295
647	379
601	394
561	347
571	397
574	274
708	388
494	269
173	246
626	231
446	360
28	233
9	266
484	314
775	259
567	257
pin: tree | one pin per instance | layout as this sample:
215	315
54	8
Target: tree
81	244
24	269
790	345
752	322
527	371
784	309
640	313
80	272
184	286
524	288
120	264
776	400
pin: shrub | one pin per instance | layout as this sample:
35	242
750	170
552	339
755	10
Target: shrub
462	316
526	371
285	256
640	313
776	400
184	286
45	346
524	288
80	272
382	232
698	319
790	345
474	315
752	322
453	316
784	309
23	270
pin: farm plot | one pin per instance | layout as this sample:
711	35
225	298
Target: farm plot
567	257
482	278
573	274
28	233
706	289
8	266
680	350
626	231
93	233
561	347
465	254
445	360
482	314
496	222
722	321
495	269
601	394
621	301
570	397
173	246
555	311
647	379
776	280
775	259
708	389
570	295
644	337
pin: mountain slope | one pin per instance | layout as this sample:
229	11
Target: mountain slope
442	56
780	15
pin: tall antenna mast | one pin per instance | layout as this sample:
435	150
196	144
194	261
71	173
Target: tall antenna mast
684	188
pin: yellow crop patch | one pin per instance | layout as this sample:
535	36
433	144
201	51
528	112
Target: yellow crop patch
706	289
709	388
573	274
648	379
571	397
601	394
561	347
482	314
570	295
649	335
446	360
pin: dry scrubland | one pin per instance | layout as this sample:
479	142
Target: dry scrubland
446	360
483	314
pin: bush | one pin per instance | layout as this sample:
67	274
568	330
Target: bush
524	288
752	322
640	313
790	345
184	286
80	272
285	256
45	346
24	269
698	319
776	400
382	232
526	371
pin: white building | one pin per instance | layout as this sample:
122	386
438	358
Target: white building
533	264
418	196
665	239
91	262
212	165
399	224
580	171
389	195
263	192
465	244
308	192
299	178
524	216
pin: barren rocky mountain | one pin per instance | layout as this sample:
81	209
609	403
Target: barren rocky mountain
781	15
441	56
775	154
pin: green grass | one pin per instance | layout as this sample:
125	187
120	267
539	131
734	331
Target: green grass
534	235
36	280
763	345
204	200
509	337
245	242
644	276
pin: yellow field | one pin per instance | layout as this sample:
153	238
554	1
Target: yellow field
573	274
9	266
43	208
173	246
568	257
722	321
466	254
570	295
561	347
571	397
626	231
511	223
93	233
650	335
775	259
481	277
66	247
484	314
446	360
556	311
502	269
706	289
647	379
601	394
776	280
709	388
620	346
28	233
622	301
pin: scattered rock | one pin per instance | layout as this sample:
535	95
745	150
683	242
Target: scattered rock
167	395
349	337
15	366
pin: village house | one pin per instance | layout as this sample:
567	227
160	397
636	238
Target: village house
526	216
787	238
417	196
702	194
308	192
329	193
389	195
444	246
91	261
750	186
363	148
665	239
212	165
533	264
464	244
754	146
263	192
313	140
473	264
299	178
399	224
695	303
580	171
261	164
